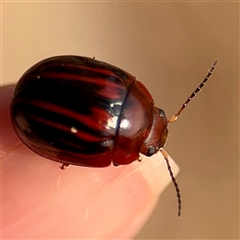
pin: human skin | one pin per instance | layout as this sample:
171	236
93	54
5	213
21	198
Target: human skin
41	201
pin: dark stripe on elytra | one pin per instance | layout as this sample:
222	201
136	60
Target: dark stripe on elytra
111	81
86	117
73	98
78	64
70	95
72	74
58	82
79	135
61	139
62	118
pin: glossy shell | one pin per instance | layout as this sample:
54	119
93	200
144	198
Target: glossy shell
77	110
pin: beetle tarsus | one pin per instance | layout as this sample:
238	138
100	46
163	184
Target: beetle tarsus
64	166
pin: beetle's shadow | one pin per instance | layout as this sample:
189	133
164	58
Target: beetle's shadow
6	130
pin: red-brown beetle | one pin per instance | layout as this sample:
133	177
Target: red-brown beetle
80	111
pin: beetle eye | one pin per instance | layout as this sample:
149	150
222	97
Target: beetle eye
151	151
162	113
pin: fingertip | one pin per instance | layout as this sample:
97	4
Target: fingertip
79	202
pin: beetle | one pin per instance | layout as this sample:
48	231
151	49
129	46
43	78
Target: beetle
81	111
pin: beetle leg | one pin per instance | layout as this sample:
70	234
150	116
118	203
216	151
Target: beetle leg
115	164
65	166
140	159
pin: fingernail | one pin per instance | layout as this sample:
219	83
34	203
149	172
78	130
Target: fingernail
155	172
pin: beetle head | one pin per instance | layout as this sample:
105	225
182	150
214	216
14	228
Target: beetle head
157	136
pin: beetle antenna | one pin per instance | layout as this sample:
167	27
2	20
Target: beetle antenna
210	72
165	155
